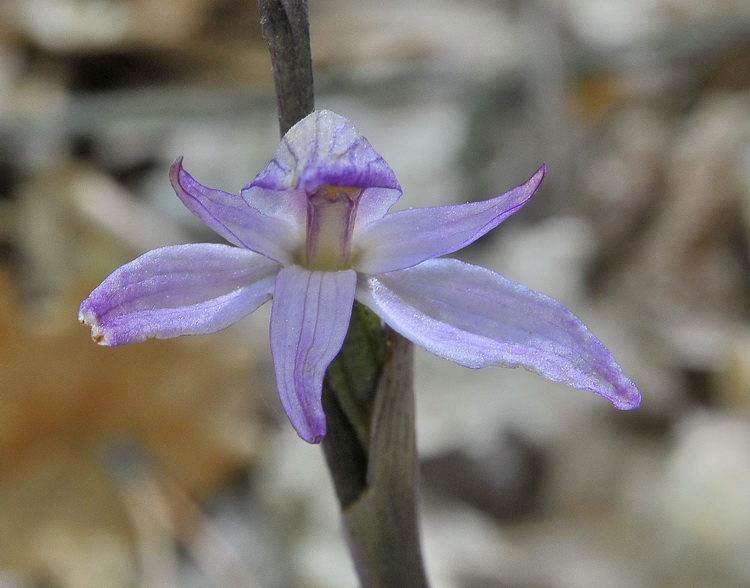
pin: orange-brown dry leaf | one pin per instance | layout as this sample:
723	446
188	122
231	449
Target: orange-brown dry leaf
67	405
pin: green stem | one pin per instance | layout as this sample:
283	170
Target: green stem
382	523
375	477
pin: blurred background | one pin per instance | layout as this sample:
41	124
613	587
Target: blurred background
170	464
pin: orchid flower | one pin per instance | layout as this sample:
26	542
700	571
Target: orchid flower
312	232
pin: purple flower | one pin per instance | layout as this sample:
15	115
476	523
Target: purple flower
311	232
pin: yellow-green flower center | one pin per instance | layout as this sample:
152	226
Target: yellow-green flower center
331	211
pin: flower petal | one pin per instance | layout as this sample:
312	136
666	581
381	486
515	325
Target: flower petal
232	218
408	237
476	318
189	289
323	148
374	203
309	319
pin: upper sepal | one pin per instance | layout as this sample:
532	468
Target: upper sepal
325	148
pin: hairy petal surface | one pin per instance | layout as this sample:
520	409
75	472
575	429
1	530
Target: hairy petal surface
309	319
408	237
476	318
239	223
191	289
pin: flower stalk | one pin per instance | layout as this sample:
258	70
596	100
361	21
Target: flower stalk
367	392
381	524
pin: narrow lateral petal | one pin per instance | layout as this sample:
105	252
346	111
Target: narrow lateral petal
408	237
309	319
189	289
476	318
239	223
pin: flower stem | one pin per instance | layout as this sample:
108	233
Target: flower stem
287	31
368	392
376	482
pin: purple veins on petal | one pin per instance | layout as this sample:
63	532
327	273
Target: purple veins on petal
232	218
322	203
191	289
475	317
309	319
408	237
322	149
325	148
